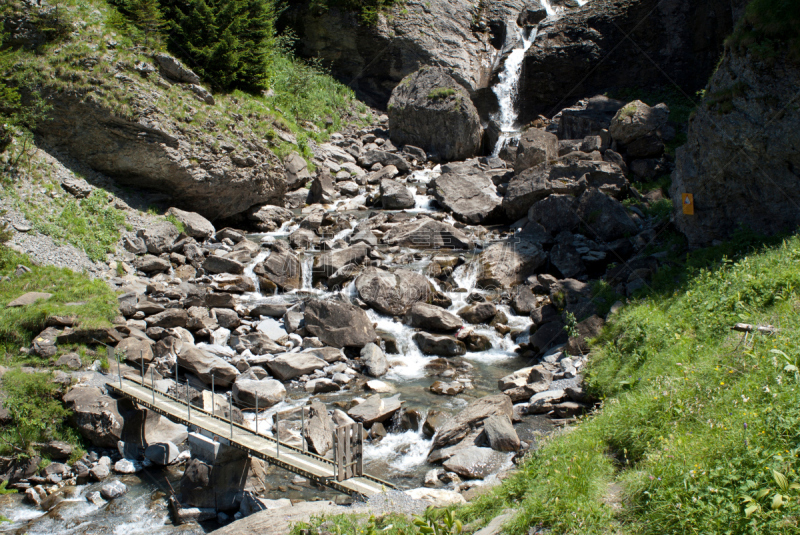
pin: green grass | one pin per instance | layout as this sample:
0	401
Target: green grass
769	29
355	524
90	224
91	302
441	93
692	418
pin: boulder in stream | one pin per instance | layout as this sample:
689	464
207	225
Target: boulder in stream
392	293
339	324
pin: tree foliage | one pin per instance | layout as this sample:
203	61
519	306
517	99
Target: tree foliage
230	43
769	28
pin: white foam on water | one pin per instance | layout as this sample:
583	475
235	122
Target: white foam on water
402	451
410	364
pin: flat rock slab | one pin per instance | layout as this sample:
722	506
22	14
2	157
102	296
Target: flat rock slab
28	299
375	409
474	462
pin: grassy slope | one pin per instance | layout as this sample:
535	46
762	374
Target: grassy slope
692	418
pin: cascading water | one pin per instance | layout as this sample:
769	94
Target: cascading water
507	89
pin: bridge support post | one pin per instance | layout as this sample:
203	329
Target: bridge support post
112	354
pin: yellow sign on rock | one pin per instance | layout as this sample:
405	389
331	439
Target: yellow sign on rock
688	203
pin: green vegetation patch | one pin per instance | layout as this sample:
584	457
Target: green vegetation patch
36	413
698	431
441	93
367	10
91	302
768	29
90	224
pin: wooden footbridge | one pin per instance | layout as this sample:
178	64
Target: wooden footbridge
344	474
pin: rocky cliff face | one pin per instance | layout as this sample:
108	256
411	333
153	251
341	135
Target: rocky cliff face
457	35
624	43
217	176
742	160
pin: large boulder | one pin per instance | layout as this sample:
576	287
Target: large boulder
150	148
205	365
374	360
604	217
375	409
296	171
429	109
98	417
556	213
194	224
503	265
159	237
471	197
473	462
291	365
637	120
500	433
441	345
471	417
433	318
325	265
570	177
395	195
478	313
427	233
268	392
535	147
220	264
339	324
392	293
318	432
267	218
742	158
281	270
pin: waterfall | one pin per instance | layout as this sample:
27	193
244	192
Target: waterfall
507	89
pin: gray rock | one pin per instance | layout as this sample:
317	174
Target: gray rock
395	196
162	453
268	392
604	217
221	264
113	490
29	299
205	365
318	432
392	293
325	265
569	177
174	69
471	197
636	120
159	237
457	427
281	269
535	147
443	388
374	360
500	433
478	313
442	345
100	472
196	225
428	104
384	158
375	409
474	463
427	233
267	217
322	189
97	417
339	324
151	264
291	365
433	318
296	171
504	265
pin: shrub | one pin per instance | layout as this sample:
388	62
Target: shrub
441	93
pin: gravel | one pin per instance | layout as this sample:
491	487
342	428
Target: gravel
391	501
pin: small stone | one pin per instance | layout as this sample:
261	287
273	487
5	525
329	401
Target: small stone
113	490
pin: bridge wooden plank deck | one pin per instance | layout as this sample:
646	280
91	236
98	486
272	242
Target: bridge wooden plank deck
306	464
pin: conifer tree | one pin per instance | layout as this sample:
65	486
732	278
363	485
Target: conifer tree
147	15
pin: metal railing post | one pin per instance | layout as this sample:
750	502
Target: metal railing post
112	353
213	398
303	427
141	355
278	435
153	385
188	404
230	412
256	414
